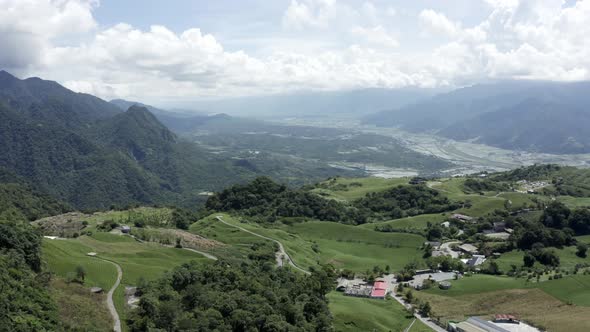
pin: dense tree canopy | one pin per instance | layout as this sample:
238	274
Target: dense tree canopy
268	200
249	297
402	201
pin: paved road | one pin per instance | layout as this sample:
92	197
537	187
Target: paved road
424	320
110	303
446	247
281	253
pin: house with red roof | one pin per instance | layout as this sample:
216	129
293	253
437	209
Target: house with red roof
379	290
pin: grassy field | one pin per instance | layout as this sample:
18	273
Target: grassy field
572	289
542	303
415	222
363	314
479	283
583	239
137	260
350	189
574	202
344	246
75	305
567	257
533	305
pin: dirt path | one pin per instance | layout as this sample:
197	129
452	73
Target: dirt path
281	253
110	303
411	324
202	253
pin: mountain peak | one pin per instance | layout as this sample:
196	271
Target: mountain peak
7	77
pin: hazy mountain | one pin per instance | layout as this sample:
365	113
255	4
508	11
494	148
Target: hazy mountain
176	121
354	103
535	116
532	125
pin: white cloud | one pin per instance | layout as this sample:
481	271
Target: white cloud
518	39
28	26
437	23
376	35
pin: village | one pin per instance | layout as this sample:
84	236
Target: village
392	286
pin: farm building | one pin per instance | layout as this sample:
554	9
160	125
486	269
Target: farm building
358	290
476	260
468	248
379	290
462	217
476	324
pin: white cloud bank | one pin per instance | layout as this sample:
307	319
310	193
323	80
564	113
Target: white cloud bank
518	39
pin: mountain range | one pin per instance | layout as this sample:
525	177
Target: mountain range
545	117
91	154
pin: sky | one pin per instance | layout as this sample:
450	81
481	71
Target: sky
166	52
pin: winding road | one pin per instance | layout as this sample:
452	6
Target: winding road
110	303
281	253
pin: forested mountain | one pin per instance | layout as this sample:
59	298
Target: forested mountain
533	116
91	154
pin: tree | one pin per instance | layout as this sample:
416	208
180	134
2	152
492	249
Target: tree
80	273
528	259
556	215
409	296
425	309
493	268
580	221
582	249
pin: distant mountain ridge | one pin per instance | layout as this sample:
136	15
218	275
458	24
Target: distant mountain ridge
533	116
318	104
178	122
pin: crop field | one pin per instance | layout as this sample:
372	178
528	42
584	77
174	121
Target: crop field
363	314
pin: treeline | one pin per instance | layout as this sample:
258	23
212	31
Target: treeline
403	201
557	227
25	304
246	297
269	201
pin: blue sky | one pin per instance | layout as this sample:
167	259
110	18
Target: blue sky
178	51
